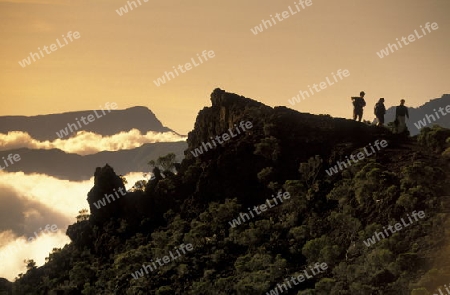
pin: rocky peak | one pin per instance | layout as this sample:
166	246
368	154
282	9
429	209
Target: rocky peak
227	109
106	182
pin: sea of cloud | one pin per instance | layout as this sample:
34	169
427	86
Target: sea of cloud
29	202
86	143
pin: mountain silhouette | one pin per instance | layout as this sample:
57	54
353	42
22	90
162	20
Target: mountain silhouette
328	219
75	167
44	127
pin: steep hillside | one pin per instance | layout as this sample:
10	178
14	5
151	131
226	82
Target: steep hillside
280	203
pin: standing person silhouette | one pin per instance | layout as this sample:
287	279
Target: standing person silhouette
401	113
379	111
358	104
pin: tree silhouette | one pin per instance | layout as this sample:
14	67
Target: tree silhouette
165	163
31	264
84	215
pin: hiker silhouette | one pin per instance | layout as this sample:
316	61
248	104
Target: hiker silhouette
358	104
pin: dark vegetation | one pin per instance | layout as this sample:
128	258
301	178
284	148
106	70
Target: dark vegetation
325	220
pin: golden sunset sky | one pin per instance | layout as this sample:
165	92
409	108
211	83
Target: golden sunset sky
117	58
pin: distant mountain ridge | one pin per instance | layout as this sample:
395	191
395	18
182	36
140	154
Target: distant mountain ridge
75	167
44	127
418	114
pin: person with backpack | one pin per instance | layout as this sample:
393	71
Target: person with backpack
379	111
401	113
358	104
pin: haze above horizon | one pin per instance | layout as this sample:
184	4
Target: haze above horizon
117	58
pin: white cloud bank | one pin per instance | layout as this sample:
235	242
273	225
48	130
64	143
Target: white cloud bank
31	201
86	143
18	249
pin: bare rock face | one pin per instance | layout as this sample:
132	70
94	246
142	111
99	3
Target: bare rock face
280	139
227	109
298	130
